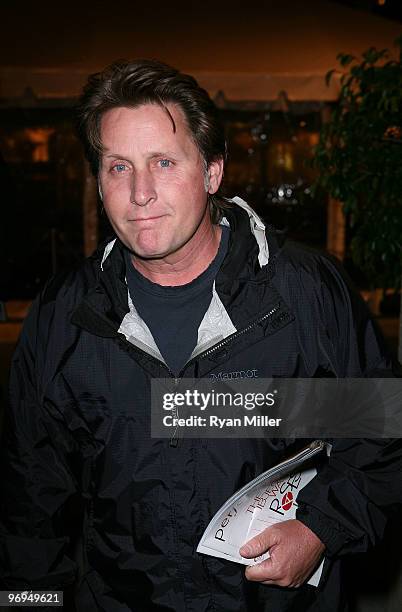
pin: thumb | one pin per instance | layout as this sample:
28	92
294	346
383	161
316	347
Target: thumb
259	544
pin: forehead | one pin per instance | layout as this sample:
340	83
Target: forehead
146	125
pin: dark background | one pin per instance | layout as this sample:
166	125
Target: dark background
43	173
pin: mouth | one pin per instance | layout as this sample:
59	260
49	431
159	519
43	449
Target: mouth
147	219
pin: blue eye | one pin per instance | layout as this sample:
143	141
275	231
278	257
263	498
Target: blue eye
119	168
165	163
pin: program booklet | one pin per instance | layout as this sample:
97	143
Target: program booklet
268	499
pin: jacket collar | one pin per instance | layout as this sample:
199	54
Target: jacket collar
257	228
105	306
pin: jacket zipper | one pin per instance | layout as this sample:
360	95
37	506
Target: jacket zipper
236	334
174	440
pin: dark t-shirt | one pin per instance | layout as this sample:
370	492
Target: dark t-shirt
173	314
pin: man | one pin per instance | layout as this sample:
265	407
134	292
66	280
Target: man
191	286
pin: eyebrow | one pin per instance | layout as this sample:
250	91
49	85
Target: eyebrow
152	155
162	154
115	156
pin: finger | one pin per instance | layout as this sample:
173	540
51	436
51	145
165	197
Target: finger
262	571
282	583
258	545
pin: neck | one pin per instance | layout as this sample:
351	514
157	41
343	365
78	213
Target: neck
184	266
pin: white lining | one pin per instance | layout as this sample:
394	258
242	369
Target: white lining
137	331
215	325
257	229
106	252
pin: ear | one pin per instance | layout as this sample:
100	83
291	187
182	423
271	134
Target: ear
215	174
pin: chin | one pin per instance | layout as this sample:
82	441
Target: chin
148	252
145	250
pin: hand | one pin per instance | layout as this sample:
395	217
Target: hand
294	553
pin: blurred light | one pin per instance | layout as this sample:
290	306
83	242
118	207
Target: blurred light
39	139
381	2
393	132
288	161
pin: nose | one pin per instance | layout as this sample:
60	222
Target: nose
142	188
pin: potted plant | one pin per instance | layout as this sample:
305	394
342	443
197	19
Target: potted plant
359	161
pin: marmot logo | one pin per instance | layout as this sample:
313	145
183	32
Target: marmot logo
237	374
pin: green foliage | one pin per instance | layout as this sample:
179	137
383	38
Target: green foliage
359	159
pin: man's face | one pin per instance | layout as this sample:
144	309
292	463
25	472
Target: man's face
153	180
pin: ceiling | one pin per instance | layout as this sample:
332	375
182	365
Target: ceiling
249	53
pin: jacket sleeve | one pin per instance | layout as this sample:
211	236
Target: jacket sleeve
39	497
348	502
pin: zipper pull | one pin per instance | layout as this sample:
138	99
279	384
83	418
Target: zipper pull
174	441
